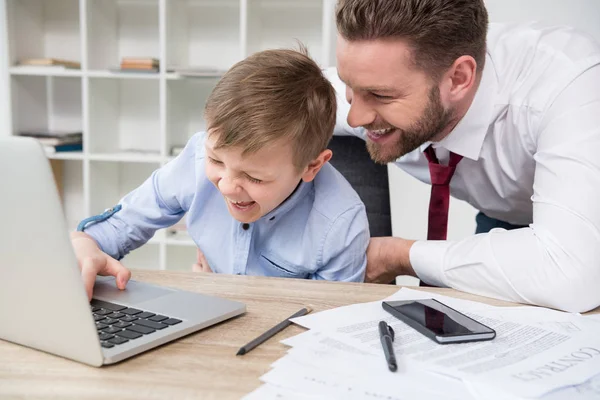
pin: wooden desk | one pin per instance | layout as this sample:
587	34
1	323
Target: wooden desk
201	365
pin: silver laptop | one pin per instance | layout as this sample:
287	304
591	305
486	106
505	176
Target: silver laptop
43	304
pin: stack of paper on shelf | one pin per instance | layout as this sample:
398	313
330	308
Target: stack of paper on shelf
140	64
538	353
57	141
50	62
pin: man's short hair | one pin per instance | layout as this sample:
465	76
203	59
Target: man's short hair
439	31
273	95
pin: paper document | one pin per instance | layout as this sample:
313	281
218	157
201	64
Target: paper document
527	360
538	353
320	365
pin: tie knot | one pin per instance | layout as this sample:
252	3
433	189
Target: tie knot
441	174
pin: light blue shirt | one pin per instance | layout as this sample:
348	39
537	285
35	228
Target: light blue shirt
319	232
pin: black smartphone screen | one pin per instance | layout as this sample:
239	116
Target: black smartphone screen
436	318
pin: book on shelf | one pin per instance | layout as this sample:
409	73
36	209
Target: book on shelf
50	62
51	133
59	141
140	60
55	141
63	148
139	63
134	70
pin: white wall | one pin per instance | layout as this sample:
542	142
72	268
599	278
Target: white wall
409	197
5	121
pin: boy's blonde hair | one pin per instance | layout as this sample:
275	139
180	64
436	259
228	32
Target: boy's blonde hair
270	96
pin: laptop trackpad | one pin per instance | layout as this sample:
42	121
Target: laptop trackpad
135	293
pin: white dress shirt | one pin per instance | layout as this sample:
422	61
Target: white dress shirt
531	148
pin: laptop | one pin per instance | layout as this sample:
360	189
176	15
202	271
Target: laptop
43	304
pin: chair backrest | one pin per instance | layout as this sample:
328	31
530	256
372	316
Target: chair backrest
370	180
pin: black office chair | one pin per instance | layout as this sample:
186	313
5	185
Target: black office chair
370	181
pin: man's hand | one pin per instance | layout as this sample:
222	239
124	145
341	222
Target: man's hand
201	263
93	261
388	257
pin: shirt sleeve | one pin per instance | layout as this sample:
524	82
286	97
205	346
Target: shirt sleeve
555	262
345	248
159	202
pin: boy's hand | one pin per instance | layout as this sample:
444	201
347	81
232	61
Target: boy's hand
201	263
93	261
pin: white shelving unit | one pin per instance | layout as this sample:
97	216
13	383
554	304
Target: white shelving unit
130	121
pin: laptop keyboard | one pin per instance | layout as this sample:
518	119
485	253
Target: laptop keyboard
119	324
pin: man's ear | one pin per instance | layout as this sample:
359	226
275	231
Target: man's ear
459	79
315	165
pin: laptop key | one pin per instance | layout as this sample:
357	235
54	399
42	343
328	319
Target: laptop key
112	329
171	321
121	324
145	315
131	311
99	317
151	324
110	321
100	325
105	336
116	315
107	345
129	334
103	312
141	329
94	309
118	340
158	318
128	318
106	305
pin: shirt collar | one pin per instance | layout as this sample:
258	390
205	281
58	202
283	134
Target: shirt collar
302	190
467	137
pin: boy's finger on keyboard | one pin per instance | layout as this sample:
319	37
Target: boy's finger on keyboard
118	270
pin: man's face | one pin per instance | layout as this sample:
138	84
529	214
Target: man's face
252	185
398	105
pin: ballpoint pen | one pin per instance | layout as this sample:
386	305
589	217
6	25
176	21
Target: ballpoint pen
272	332
386	334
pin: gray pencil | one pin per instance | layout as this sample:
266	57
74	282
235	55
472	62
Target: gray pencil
271	332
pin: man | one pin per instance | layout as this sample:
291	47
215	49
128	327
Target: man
513	123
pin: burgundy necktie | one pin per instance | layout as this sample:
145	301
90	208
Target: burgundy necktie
440	194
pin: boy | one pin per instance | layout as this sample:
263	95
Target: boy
260	196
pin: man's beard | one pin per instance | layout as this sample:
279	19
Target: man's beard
433	120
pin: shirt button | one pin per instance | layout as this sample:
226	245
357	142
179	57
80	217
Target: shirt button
245	226
271	219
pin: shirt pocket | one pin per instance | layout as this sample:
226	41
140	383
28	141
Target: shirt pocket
273	265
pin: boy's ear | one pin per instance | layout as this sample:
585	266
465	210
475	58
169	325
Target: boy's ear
315	165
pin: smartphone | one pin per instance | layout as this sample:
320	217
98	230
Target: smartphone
439	322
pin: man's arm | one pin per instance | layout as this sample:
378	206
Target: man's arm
556	261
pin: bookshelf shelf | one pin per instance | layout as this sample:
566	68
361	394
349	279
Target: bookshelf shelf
131	120
126	157
68	155
44	71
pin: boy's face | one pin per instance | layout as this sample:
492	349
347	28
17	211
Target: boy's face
255	184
